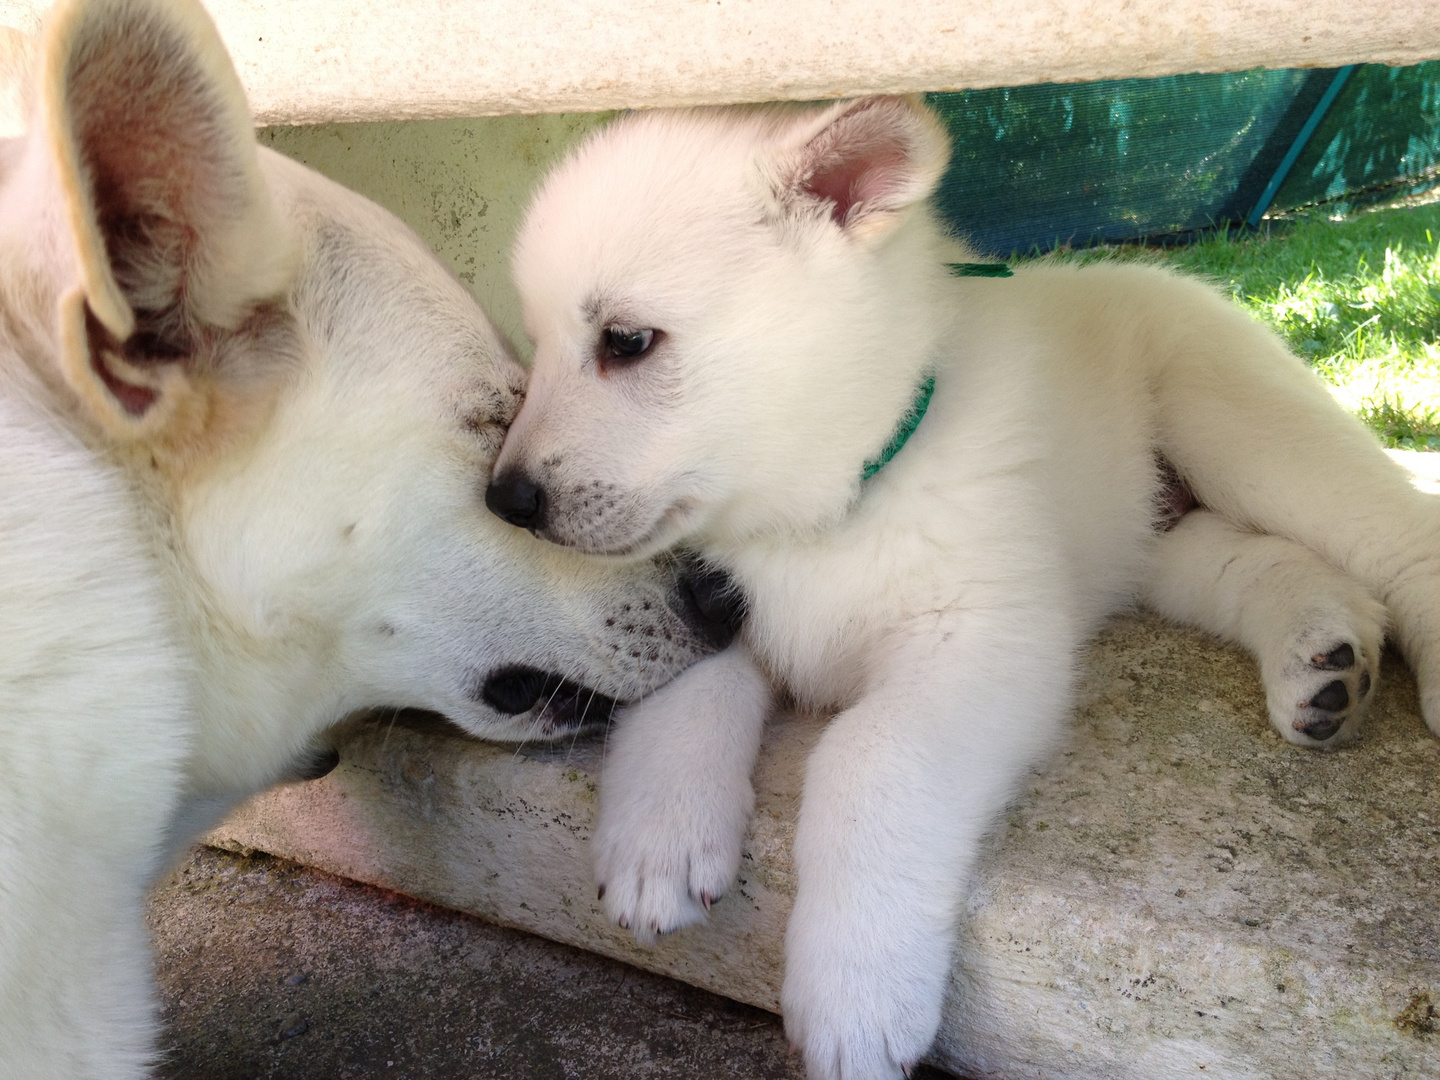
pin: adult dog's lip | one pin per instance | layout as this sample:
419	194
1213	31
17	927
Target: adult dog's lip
572	707
558	705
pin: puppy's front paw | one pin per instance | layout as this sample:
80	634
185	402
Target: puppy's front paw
660	862
675	797
1318	691
861	1002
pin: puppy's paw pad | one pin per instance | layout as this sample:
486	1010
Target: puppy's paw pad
1340	658
1325	713
1319	694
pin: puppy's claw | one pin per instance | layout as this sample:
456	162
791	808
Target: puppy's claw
600	892
623	923
907	1068
706	900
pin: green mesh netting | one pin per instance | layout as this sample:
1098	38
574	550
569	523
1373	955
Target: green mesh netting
1382	132
1132	159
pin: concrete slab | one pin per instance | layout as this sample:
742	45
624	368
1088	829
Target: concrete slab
1183	894
1179	894
503	833
273	971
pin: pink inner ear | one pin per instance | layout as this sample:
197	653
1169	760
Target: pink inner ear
865	166
135	400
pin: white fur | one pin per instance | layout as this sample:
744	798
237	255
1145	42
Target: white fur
94	734
245	425
660	876
801	291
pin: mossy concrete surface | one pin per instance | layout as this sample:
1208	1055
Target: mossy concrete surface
504	833
462	185
1180	893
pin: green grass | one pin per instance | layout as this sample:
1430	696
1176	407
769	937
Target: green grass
1359	299
1407	426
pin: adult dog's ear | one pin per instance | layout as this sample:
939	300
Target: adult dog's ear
860	163
141	120
15	52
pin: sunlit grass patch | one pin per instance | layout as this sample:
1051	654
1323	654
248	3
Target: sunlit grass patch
1345	295
1401	426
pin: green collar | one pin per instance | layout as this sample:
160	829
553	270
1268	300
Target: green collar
980	270
921	401
903	430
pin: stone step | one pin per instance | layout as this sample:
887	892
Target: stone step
1180	893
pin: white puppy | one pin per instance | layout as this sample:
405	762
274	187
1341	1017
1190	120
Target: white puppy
738	316
245	424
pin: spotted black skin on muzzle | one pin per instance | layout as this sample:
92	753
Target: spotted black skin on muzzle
709	600
586	514
705	597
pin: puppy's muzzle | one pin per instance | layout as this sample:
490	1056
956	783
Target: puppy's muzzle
515	498
709	601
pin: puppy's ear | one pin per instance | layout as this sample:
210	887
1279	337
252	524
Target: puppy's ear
141	120
861	163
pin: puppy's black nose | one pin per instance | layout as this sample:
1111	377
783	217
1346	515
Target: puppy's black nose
515	498
713	603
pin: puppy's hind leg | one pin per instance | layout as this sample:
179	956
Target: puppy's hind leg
1260	440
1316	631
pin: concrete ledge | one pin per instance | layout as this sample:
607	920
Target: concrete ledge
323	60
503	834
1179	894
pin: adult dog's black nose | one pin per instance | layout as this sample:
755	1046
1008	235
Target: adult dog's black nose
515	498
713	603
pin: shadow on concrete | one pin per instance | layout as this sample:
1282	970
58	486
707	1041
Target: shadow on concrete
273	971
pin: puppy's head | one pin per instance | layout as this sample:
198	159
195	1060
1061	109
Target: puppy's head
729	312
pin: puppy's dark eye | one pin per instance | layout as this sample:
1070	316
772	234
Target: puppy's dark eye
626	343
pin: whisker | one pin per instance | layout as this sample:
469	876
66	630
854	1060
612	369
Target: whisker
538	710
394	715
579	727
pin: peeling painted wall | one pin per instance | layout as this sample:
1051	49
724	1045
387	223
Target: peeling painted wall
461	184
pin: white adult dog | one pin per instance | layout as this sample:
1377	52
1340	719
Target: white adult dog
245	423
738	316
